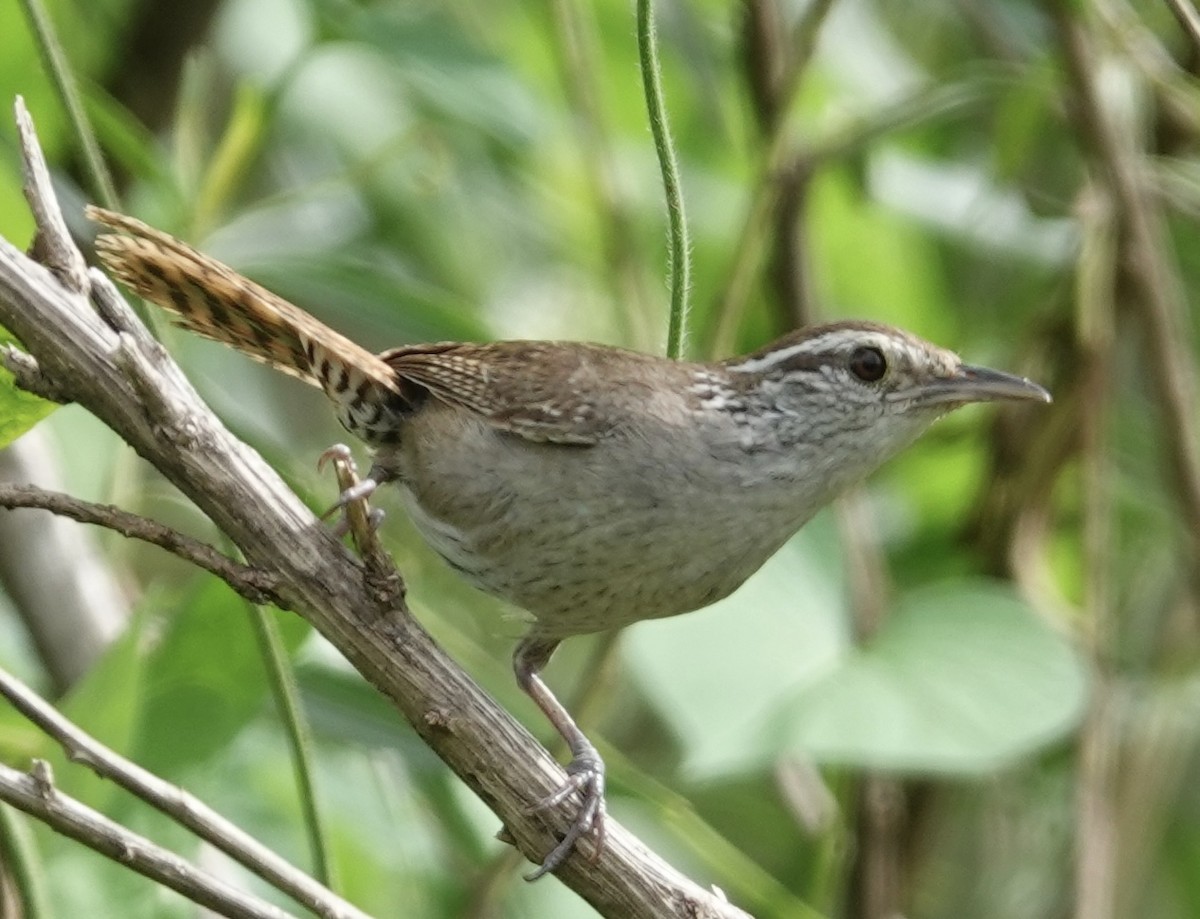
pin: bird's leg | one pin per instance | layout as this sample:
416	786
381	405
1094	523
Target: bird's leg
356	515
585	771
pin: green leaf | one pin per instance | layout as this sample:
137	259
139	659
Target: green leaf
19	410
961	678
204	682
719	676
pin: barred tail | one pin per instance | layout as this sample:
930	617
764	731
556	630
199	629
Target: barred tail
215	301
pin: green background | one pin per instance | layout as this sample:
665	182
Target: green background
970	689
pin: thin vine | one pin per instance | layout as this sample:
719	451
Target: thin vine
664	146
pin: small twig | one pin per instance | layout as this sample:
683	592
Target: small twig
1144	56
176	803
881	801
53	243
113	308
1097	825
804	44
27	374
34	793
255	584
363	526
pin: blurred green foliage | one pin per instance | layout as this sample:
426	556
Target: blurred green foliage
954	641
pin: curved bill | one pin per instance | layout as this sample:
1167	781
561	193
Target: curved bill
980	384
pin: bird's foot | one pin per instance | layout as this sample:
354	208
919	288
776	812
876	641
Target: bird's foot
356	516
585	774
361	521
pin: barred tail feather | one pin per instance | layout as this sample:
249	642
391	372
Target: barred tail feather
213	300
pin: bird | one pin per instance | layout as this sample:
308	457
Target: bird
591	486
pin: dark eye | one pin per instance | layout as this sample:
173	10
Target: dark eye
868	364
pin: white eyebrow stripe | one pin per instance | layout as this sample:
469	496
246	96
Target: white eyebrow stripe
822	344
770	360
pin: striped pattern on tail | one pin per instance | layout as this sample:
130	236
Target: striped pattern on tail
213	300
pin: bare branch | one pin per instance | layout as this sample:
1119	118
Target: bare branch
112	375
176	803
53	243
27	374
256	585
35	794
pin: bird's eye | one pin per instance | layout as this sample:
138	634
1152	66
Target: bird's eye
868	364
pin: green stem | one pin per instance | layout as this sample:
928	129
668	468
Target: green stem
19	854
299	735
55	60
665	148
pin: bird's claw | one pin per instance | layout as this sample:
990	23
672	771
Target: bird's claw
338	453
585	774
357	516
339	529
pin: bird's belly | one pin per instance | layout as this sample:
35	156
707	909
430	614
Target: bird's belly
589	562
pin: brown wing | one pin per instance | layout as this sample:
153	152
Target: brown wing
531	388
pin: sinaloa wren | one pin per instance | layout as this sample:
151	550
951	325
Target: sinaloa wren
589	485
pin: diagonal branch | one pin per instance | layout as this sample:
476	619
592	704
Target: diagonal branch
35	794
112	367
176	803
255	584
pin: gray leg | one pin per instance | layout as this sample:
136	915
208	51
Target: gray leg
585	771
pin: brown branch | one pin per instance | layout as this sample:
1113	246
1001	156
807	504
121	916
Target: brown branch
255	584
52	244
176	803
35	794
112	367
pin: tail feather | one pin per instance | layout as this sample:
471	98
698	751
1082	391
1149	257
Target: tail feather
213	300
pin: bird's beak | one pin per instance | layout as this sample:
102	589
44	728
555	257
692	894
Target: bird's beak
980	384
